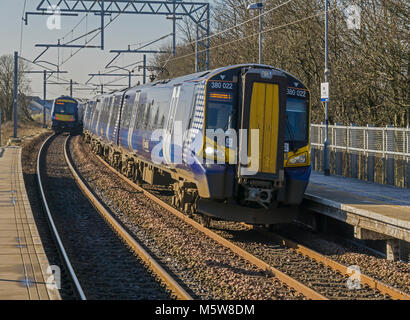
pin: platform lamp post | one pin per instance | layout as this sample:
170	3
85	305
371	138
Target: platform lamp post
255	6
325	97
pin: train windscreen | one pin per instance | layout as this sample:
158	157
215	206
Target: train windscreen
297	119
65	107
220	110
219	116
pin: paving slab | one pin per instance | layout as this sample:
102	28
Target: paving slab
380	208
23	262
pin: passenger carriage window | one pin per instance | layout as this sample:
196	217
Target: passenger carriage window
193	104
126	113
147	116
140	111
173	107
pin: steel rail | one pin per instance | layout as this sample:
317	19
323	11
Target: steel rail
364	279
295	284
152	264
53	227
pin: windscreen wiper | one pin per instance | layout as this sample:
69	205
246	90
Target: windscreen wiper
233	113
291	135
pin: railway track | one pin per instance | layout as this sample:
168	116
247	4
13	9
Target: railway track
56	235
302	269
100	265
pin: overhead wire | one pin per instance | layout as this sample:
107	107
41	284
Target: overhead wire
242	23
252	35
75	27
49	69
226	30
99	32
22	26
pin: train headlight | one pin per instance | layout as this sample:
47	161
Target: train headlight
299	159
210	151
213	152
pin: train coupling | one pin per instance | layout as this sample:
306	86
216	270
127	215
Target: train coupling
259	195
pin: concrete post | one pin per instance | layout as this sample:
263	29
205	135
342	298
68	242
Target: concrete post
407	182
390	158
321	154
313	157
339	153
370	155
393	249
408	173
353	154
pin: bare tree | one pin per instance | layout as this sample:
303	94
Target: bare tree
369	64
7	88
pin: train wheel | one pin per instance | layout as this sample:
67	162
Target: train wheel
205	221
269	227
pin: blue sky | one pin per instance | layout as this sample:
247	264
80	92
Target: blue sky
127	29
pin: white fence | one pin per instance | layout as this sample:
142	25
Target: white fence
368	153
384	141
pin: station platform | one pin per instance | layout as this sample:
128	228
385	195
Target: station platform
377	212
23	262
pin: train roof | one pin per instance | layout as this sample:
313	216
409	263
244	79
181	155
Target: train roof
66	97
204	75
200	76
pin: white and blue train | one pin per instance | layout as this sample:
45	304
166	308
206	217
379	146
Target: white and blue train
193	133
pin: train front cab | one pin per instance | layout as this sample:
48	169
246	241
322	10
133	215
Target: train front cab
297	146
281	117
64	115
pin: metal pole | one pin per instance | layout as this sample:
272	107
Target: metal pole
260	32
45	99
129	79
144	80
71	87
0	126
208	23
102	24
327	72
173	29
196	49
16	61
102	89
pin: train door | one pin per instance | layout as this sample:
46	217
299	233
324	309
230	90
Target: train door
96	114
110	111
133	119
101	108
118	105
169	129
263	116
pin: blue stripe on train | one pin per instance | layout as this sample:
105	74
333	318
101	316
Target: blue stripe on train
299	173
